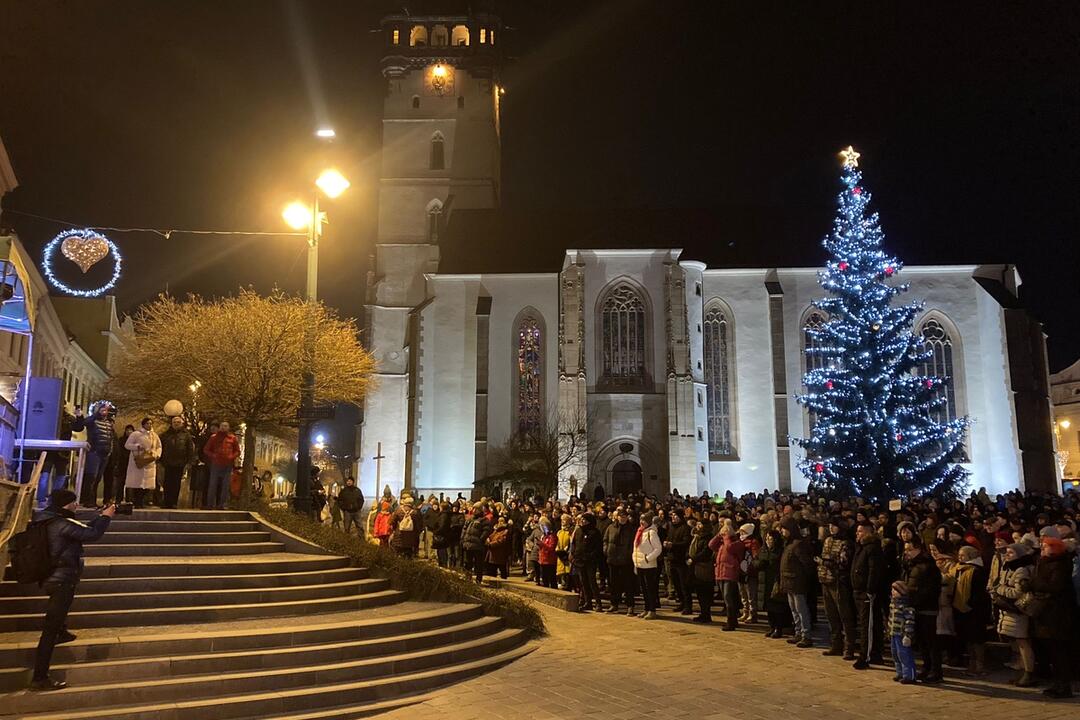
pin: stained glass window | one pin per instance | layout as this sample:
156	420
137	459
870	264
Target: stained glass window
718	379
529	376
940	364
623	338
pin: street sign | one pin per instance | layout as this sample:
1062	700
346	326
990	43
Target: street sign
317	413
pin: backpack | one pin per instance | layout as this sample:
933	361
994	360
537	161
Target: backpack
406	523
30	558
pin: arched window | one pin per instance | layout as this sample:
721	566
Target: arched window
440	36
811	359
530	375
437	156
942	364
434	220
720	379
418	36
623	340
459	35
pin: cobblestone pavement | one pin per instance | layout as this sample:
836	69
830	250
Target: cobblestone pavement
612	667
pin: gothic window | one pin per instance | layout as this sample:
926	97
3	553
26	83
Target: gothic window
434	220
418	36
459	36
719	379
623	337
437	161
529	375
813	360
937	341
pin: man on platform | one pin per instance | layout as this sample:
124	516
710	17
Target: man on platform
101	435
177	453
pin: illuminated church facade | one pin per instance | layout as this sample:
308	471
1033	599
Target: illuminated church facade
666	373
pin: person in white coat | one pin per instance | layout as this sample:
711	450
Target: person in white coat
145	447
647	550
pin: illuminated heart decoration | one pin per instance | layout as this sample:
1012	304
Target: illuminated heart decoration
85	251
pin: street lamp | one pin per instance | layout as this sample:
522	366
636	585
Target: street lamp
300	216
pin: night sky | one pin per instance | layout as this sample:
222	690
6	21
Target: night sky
711	126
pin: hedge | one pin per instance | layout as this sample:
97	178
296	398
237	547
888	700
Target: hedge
421	581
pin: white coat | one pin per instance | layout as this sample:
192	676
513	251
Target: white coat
145	441
649	549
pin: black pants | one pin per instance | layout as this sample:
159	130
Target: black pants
869	627
590	593
840	610
649	579
173	476
704	591
680	574
502	571
56	611
926	639
474	560
547	576
621	584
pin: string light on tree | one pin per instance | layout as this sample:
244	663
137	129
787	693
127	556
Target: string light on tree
875	432
85	248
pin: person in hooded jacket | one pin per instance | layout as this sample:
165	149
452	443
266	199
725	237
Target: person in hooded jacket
619	552
834	576
545	553
1014	581
730	551
923	579
66	536
971	603
702	562
647	551
586	546
776	604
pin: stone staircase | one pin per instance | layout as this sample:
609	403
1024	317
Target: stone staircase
201	614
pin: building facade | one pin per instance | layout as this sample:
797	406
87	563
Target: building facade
668	374
1065	394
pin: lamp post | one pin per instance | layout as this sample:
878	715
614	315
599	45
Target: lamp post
298	216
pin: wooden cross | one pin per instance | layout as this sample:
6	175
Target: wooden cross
379	457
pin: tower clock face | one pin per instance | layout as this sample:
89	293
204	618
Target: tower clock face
440	79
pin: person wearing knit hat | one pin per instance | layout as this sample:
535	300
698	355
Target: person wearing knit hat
1053	624
902	631
1049	531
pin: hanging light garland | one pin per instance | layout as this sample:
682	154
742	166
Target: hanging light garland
85	248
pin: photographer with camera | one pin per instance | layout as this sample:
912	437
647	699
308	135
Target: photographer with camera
66	536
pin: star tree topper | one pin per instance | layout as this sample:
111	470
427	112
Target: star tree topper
851	158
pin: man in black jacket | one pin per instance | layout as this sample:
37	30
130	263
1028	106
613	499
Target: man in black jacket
177	453
351	502
619	553
66	538
676	546
102	438
867	574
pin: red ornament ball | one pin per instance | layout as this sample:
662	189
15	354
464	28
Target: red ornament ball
843	265
899	436
857	190
828	384
889	270
929	383
819	468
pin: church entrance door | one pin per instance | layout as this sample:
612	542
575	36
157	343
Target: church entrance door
626	478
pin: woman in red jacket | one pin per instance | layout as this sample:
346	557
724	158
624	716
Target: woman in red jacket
729	551
546	553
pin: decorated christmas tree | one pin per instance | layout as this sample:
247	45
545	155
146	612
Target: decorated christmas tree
875	421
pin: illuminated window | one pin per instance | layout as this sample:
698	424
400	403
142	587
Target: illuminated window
437	154
459	36
483	35
941	340
396	37
418	36
719	379
624	342
811	345
530	375
492	37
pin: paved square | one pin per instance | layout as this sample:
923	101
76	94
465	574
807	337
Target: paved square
614	667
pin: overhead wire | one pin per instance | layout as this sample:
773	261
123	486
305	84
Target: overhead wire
163	233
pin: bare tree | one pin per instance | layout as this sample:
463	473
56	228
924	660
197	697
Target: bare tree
545	449
246	354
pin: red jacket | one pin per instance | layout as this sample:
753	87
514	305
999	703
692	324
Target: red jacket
729	553
546	549
222	449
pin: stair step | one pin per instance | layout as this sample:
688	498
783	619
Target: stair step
351	712
100	568
179	640
98	550
170	598
185	583
173	515
124	525
300	656
212	613
281	685
125	537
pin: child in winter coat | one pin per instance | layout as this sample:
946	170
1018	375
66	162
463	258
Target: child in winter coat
902	630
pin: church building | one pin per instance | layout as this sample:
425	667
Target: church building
661	372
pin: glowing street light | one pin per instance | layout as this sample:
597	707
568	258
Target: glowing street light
297	215
1065	424
325	132
332	182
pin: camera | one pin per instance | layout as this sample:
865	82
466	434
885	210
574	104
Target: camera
124	508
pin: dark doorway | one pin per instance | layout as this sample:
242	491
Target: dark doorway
626	478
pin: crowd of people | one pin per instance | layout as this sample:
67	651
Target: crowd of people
933	577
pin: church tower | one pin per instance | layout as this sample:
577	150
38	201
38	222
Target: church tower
440	153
